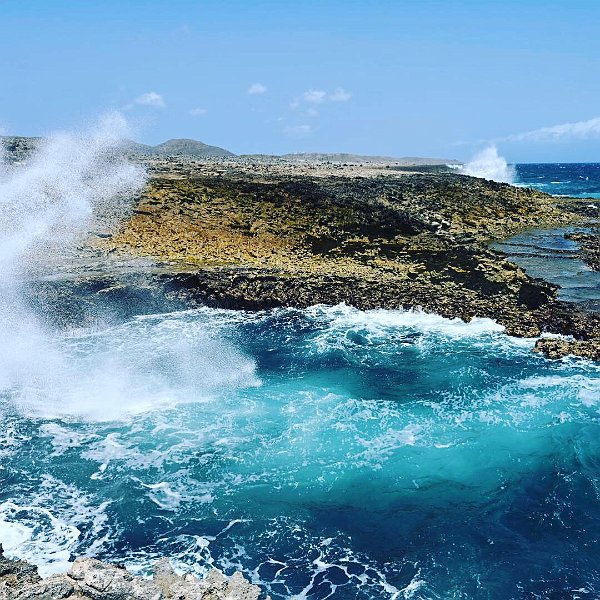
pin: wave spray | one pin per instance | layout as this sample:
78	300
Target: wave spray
488	164
46	203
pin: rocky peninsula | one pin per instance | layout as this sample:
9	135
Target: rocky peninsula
246	234
256	233
260	232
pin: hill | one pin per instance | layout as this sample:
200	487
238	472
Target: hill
188	147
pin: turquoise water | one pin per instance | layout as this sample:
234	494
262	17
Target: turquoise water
329	453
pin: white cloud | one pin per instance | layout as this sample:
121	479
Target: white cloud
198	112
150	99
312	112
297	130
579	130
321	96
257	88
339	95
315	96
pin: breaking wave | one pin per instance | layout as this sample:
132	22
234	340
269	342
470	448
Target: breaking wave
488	164
375	442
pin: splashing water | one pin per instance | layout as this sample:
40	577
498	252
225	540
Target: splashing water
46	204
50	199
327	452
387	454
488	164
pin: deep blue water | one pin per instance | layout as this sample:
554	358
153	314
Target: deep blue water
581	180
327	452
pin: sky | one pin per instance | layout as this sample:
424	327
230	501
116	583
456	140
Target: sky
387	77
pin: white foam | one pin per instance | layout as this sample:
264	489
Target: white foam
45	204
140	366
35	534
380	321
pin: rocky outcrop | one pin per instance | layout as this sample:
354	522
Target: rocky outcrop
558	347
91	579
589	243
247	240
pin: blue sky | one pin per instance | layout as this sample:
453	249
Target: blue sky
420	77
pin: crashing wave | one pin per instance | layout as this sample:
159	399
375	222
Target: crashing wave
488	164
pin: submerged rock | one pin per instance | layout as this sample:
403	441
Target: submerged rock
91	579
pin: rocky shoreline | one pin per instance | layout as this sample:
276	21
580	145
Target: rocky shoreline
589	243
91	579
253	235
243	239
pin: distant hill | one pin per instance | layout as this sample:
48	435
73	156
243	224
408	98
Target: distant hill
178	147
19	147
343	157
185	147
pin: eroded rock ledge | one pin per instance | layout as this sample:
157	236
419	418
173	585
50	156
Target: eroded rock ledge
247	241
91	579
242	237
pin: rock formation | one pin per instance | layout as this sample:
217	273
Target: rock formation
91	579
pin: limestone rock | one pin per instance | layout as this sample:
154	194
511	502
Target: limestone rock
91	579
558	347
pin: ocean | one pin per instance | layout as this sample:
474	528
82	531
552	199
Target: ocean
579	180
326	452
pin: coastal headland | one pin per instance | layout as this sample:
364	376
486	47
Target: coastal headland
257	235
259	232
254	233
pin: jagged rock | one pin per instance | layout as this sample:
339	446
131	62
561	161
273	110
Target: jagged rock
91	579
244	237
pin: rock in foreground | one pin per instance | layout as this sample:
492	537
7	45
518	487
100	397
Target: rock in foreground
91	579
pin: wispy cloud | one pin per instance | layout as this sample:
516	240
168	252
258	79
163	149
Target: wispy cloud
150	99
315	96
297	130
198	112
339	95
256	88
579	130
321	96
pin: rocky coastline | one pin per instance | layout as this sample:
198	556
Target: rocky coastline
259	238
253	236
242	235
91	579
256	233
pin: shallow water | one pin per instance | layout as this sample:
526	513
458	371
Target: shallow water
327	452
551	256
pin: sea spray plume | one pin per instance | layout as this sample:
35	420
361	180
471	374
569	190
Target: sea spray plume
488	164
52	197
44	204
